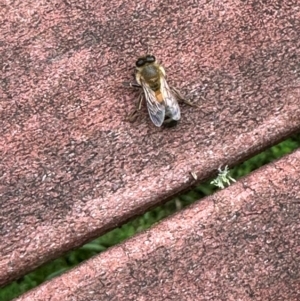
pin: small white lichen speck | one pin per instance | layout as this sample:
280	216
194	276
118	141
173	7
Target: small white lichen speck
223	178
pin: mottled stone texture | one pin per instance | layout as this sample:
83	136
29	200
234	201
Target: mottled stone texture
243	243
71	168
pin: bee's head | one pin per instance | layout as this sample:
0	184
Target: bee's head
145	60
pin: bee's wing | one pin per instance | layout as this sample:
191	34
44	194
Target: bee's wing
156	110
170	100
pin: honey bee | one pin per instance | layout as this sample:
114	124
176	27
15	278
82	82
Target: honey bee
161	99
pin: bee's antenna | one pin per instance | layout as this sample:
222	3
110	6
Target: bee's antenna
149	47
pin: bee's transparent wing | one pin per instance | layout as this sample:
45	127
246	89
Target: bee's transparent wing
170	100
156	110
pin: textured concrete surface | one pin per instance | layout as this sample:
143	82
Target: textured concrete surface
71	168
243	243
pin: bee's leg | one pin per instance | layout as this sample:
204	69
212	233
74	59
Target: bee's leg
135	85
131	85
181	98
140	101
135	113
132	116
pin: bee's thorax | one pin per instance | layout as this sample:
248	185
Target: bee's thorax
151	74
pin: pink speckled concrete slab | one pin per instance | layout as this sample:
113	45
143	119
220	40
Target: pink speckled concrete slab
240	244
71	168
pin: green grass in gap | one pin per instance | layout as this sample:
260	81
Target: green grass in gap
115	236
